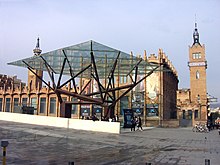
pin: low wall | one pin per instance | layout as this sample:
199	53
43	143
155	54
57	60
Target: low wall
88	125
172	123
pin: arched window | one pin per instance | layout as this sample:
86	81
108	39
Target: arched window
197	74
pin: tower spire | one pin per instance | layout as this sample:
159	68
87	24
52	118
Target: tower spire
195	22
37	51
38	43
195	34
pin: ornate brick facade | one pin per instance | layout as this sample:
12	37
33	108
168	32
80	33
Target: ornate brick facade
192	102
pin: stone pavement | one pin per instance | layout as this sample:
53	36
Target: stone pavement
42	145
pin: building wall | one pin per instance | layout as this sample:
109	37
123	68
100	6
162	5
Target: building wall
37	98
198	85
165	82
192	103
34	81
43	99
169	95
187	109
10	81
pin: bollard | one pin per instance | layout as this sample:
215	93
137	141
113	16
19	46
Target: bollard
207	162
71	163
4	144
148	163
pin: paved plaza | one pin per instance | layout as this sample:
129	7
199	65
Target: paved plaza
42	145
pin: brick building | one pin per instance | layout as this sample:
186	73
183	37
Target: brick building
192	102
10	81
154	99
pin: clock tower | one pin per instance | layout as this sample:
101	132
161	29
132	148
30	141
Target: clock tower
197	67
33	81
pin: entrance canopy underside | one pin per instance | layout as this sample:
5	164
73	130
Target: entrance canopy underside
79	57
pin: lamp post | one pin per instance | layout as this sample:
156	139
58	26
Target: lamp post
4	144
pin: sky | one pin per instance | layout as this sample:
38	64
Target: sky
126	25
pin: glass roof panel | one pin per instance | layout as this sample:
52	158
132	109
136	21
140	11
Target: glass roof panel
79	57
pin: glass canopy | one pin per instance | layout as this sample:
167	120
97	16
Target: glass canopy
79	57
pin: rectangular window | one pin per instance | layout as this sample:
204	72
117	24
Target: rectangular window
0	104
123	104
8	105
184	114
34	102
16	105
42	105
121	80
125	79
196	114
64	98
197	55
189	114
53	105
24	102
16	102
74	106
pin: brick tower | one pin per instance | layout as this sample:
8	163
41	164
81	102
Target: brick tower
197	66
33	81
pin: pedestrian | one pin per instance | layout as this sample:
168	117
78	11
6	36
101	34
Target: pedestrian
209	126
133	123
139	125
219	130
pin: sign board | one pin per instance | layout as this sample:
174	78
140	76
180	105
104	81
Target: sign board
85	110
197	63
152	110
138	111
97	110
128	115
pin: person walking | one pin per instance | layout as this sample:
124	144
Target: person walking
139	125
133	123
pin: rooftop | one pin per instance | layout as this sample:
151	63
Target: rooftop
78	57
